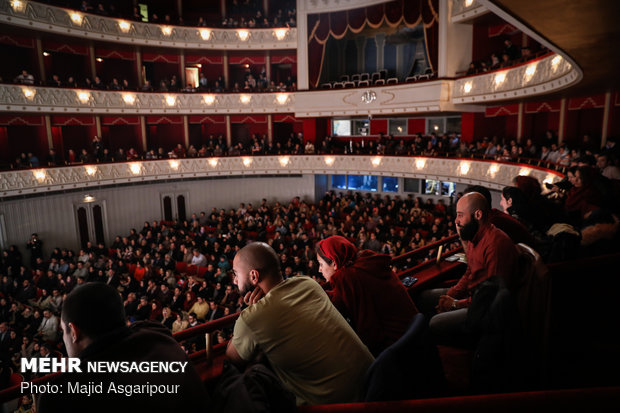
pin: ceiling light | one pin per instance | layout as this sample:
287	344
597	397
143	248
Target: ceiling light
46	54
468	3
99	59
18	5
89	198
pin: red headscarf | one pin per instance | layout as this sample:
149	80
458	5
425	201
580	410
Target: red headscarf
339	250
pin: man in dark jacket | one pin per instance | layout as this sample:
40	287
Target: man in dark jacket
93	324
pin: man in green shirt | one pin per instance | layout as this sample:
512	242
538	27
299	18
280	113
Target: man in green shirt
312	349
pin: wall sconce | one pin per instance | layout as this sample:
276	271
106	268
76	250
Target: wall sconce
129	98
555	62
464	167
499	78
83	96
245	99
171	100
166	30
39	175
90	170
329	160
89	198
247	161
135	168
76	18
493	170
284	160
525	171
99	59
29	93
18	6
243	35
174	164
282	98
46	54
280	33
469	3
376	161
529	72
209	99
205	34
467	87
124	26
420	163
213	162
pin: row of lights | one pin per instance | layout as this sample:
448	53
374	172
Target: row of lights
530	70
464	167
171	100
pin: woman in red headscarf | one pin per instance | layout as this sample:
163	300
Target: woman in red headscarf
365	290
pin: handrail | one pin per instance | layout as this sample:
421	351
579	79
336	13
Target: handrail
418	252
208	327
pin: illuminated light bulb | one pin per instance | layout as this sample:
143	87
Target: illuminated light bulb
499	78
174	164
493	170
89	198
18	5
464	167
549	179
469	3
436	127
128	98
124	26
29	93
213	162
39	175
282	98
99	59
91	170
467	87
245	99
166	30
329	160
170	100
83	97
209	99
556	61
135	168
46	54
529	72
284	160
420	163
205	34
76	18
243	35
376	161
280	34
247	161
525	171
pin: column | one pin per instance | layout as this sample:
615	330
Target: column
360	43
98	125
228	132
92	61
455	43
186	130
268	65
48	133
143	132
265	8
520	120
139	74
303	81
606	110
380	42
225	69
223	8
561	127
40	59
180	8
269	129
182	69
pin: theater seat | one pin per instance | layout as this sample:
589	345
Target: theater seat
408	369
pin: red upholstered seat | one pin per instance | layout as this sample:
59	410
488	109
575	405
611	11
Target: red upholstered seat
181	267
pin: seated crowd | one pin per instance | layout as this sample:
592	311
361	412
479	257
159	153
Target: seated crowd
246	13
510	55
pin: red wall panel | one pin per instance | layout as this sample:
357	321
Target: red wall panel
416	125
378	126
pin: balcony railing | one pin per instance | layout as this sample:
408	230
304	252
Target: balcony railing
38	16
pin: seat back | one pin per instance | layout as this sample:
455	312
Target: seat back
408	369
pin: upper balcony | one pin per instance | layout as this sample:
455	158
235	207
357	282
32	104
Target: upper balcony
38	16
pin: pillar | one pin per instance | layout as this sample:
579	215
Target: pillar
520	121
40	58
228	132
562	126
143	132
93	62
303	82
186	130
606	111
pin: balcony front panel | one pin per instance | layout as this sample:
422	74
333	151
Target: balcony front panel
542	76
38	16
494	175
465	10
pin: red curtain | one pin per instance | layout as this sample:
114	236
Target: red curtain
406	12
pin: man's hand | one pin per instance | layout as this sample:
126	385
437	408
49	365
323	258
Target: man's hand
253	296
446	303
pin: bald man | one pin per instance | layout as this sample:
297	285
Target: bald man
311	347
490	253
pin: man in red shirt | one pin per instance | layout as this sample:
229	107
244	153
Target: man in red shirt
490	253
